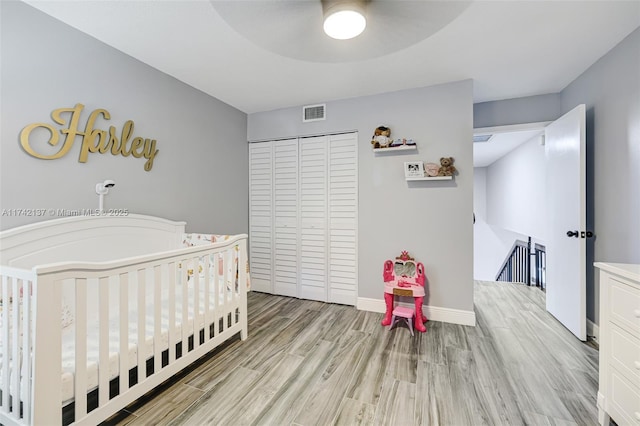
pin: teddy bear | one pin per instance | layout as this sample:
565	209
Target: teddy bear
381	137
446	167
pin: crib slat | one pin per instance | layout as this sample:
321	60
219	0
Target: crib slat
216	293
184	332
80	385
172	312
196	303
5	338
225	288
142	367
124	332
15	347
157	320
103	365
242	288
207	298
26	351
235	276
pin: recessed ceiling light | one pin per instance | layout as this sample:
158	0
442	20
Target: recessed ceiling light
344	20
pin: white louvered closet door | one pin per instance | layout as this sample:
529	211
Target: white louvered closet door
313	218
343	217
285	215
260	216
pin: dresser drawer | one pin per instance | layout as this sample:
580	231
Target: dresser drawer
625	354
624	305
624	400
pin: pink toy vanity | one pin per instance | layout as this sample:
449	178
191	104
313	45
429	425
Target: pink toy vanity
404	277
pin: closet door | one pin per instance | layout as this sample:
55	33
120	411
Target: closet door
343	217
313	218
285	215
260	216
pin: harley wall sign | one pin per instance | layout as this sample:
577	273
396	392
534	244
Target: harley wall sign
93	140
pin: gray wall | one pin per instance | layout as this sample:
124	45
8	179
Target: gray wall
432	220
611	91
610	88
200	174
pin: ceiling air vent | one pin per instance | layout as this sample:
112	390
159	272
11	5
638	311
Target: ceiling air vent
314	113
481	138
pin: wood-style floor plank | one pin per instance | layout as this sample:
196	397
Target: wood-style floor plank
355	413
310	363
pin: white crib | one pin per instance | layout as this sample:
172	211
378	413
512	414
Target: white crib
143	307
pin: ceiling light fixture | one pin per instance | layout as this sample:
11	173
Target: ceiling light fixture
344	20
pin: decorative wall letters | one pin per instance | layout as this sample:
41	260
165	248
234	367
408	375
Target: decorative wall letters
93	140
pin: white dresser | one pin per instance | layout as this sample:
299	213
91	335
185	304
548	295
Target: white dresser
619	374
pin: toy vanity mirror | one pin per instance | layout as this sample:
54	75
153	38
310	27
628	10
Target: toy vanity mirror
404	265
404	268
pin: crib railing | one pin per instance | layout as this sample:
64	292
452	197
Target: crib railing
115	285
16	316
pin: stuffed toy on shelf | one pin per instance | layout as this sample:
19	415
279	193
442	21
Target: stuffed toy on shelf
381	137
446	167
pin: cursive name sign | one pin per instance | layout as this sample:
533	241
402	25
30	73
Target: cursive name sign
93	140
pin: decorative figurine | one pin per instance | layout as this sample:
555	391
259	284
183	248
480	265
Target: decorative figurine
381	137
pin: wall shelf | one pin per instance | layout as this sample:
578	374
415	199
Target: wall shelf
396	148
410	179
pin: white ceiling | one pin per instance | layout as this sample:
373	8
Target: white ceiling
509	48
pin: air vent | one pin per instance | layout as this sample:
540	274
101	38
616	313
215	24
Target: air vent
481	138
314	113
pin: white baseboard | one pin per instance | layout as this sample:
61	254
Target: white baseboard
593	330
435	313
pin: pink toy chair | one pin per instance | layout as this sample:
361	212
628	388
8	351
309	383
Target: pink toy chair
402	313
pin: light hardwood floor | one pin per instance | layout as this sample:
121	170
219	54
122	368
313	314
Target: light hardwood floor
310	363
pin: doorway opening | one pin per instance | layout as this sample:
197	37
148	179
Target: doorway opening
509	198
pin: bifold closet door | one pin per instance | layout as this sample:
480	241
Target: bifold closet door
343	218
260	216
313	218
303	217
285	217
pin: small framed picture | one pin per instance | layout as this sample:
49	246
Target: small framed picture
413	169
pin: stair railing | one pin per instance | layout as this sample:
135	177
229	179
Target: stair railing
517	265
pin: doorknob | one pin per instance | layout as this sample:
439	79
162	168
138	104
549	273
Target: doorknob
572	234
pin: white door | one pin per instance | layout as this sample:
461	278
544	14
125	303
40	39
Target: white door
566	215
285	217
343	218
313	218
260	216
